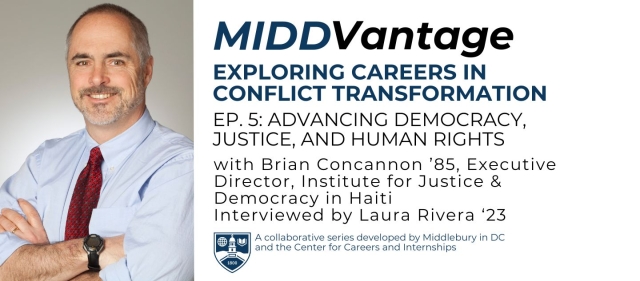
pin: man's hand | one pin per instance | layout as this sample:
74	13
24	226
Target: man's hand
2	222
32	230
29	229
60	261
113	250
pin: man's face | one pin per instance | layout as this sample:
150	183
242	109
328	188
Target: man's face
107	81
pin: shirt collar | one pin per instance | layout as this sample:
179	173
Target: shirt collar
119	148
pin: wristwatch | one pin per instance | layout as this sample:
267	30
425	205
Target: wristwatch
93	245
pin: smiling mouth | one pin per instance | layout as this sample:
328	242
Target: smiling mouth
101	96
100	92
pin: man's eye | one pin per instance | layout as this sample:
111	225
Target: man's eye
81	63
118	62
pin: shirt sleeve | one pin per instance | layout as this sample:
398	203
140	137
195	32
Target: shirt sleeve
22	184
159	242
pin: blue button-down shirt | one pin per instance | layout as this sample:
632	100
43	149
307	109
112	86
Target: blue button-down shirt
147	195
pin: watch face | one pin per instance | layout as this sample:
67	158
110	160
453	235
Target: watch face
93	242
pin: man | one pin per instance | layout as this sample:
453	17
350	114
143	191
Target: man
113	201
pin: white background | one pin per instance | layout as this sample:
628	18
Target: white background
578	222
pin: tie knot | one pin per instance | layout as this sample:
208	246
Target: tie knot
95	157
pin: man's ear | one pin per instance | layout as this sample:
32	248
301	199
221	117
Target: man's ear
148	71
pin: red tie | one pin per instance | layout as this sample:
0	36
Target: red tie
85	197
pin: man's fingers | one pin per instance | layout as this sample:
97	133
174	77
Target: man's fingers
31	230
14	218
5	224
20	228
32	214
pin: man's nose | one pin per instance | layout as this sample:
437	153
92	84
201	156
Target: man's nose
99	75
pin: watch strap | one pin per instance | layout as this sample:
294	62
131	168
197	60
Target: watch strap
94	261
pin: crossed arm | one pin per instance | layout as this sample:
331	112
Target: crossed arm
157	231
44	261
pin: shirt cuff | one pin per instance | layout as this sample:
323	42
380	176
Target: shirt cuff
116	272
10	243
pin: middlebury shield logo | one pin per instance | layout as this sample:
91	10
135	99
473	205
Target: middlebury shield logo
232	249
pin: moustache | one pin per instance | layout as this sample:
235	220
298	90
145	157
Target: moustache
101	89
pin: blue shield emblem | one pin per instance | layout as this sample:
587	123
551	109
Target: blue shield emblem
232	249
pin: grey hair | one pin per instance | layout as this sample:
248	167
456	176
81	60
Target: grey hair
140	35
